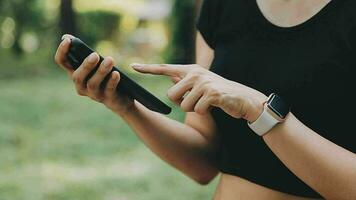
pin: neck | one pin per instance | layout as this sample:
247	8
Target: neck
290	12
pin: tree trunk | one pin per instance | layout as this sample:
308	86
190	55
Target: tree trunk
67	17
182	46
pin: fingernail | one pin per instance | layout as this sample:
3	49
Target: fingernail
115	75
66	36
92	58
136	66
67	40
107	63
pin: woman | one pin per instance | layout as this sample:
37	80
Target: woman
303	51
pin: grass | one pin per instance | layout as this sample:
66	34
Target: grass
56	145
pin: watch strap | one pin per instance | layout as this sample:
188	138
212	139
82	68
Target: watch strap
264	123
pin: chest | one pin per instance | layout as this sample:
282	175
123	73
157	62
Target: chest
304	63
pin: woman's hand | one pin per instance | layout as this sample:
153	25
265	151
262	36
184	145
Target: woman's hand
92	87
198	89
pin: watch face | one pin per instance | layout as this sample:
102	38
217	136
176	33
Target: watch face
278	106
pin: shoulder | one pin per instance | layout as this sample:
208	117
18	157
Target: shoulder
208	20
210	10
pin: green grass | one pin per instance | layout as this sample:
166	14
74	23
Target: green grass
56	145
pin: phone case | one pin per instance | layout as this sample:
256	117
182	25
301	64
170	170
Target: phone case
79	51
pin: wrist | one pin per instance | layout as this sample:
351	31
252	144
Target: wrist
275	111
255	107
124	110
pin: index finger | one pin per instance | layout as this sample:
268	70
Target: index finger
161	69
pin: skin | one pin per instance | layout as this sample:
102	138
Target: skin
188	146
288	13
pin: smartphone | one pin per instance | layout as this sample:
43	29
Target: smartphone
79	51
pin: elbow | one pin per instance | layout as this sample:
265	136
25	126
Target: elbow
344	193
205	179
341	196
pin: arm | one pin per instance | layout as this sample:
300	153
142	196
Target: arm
323	165
184	146
204	123
188	147
180	145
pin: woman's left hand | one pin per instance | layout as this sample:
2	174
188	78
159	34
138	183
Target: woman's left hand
198	89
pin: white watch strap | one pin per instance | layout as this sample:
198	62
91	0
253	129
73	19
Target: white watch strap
264	123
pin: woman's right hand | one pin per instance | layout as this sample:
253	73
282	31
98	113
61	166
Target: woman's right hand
117	102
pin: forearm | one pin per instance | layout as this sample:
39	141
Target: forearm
323	165
178	144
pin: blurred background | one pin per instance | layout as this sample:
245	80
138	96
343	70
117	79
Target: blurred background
57	145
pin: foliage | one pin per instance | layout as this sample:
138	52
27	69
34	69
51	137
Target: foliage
56	145
98	25
28	16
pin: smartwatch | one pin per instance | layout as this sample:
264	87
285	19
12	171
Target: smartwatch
275	110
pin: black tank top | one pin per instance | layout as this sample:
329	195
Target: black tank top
311	65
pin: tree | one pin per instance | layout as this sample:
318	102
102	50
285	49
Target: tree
183	19
27	16
67	17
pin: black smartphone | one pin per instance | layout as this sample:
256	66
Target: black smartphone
79	51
